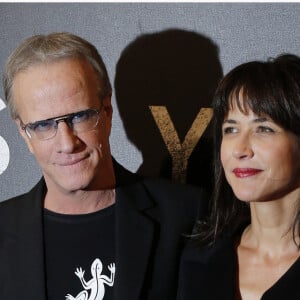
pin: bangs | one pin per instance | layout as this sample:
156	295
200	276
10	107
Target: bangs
263	89
261	102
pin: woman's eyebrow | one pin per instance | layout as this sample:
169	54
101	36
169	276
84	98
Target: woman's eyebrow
255	120
229	121
261	120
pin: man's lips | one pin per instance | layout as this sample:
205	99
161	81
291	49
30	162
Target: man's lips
245	172
70	162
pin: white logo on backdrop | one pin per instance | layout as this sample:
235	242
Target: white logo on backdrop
4	150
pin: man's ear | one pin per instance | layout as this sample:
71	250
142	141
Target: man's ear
108	111
107	106
23	134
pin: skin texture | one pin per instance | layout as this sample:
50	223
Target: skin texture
77	167
261	163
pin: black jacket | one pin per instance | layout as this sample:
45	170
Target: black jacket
151	216
210	273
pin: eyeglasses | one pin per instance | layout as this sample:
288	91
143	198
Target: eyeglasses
81	121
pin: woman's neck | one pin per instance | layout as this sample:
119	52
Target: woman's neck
271	228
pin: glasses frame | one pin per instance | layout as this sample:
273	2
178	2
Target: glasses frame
64	118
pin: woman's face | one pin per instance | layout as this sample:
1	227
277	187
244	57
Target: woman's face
261	160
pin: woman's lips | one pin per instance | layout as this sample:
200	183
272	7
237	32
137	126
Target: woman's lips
245	172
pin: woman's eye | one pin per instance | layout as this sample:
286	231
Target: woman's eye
228	130
265	129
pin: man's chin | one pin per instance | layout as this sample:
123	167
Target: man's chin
71	186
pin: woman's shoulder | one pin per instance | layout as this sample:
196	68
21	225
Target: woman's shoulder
196	251
224	244
202	266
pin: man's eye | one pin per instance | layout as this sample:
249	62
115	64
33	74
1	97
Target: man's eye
41	126
80	117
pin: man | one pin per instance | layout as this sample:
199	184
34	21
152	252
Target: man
89	229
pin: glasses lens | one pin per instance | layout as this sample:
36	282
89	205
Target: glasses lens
78	122
41	129
85	120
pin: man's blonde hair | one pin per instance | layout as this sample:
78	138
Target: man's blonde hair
42	49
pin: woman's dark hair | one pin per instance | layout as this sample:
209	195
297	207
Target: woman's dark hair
269	88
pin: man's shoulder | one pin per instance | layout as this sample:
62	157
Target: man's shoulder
23	202
11	203
11	209
166	187
176	197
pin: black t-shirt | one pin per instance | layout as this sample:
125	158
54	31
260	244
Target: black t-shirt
80	255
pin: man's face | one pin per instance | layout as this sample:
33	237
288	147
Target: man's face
69	161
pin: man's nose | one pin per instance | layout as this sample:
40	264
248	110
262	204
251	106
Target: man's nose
67	140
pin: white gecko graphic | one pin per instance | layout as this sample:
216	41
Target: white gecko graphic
96	284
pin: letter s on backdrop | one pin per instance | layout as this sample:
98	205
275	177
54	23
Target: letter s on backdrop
4	149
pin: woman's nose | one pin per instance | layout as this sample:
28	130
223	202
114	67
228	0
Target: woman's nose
243	148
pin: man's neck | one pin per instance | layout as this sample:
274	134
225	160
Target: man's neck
79	202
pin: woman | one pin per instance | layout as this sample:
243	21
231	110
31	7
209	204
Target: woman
249	247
